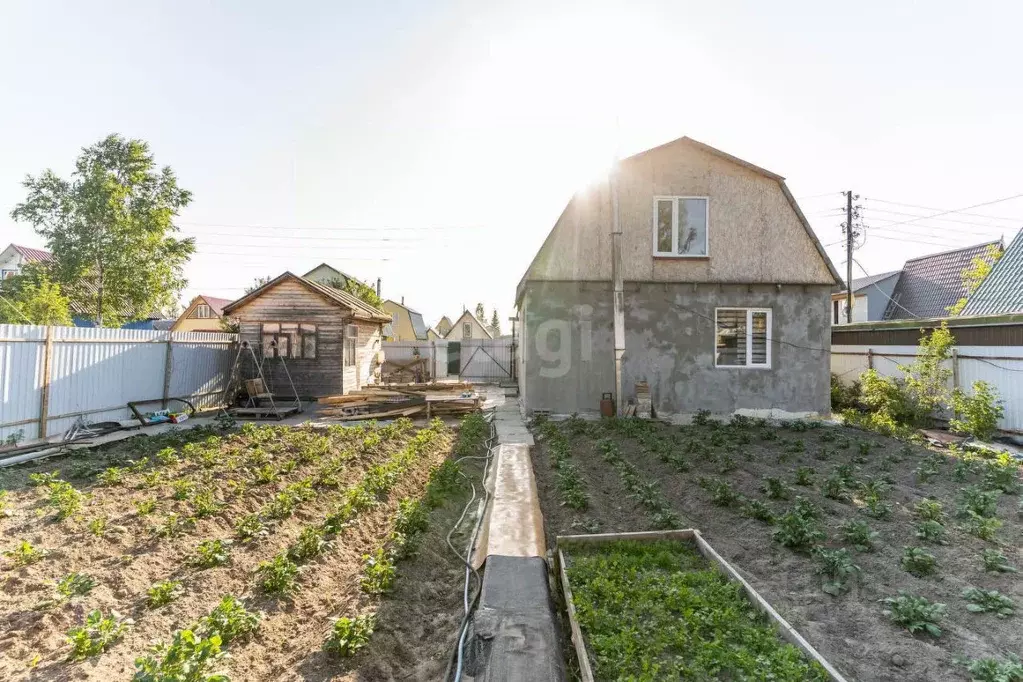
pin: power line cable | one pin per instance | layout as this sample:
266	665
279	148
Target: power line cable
338	228
987	226
818	196
932	208
890	299
958	210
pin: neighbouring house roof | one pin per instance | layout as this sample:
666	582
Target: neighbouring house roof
418	325
360	309
1002	291
520	289
33	255
337	274
216	304
861	283
930	284
471	315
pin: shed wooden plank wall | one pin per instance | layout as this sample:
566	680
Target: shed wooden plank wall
289	301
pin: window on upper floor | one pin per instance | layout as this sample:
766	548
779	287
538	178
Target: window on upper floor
203	312
680	227
743	337
466	330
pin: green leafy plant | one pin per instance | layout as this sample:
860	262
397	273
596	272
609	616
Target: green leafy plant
211	553
916	614
173	525
983	528
1002	474
755	509
24	553
996	562
73	585
229	620
975	501
348	635
65	498
98	526
163	593
189	657
168	456
723	494
410	523
378	573
41	479
775	488
310	542
837	567
797	532
989	601
929	510
876	507
250	527
918	561
977	414
859	534
96	635
205	503
932	532
264	475
145	507
278	575
804	475
1009	669
834	488
111	476
182	488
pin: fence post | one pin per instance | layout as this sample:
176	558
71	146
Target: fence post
44	395
955	368
168	366
870	358
433	361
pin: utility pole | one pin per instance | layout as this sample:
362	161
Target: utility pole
849	237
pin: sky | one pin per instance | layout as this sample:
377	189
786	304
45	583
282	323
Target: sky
434	144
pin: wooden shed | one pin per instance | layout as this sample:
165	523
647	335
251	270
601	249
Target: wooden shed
329	340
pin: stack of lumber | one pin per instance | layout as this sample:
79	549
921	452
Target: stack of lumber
403	400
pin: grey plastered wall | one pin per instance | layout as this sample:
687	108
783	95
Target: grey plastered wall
568	346
669	342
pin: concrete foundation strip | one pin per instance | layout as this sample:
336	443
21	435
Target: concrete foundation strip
784	629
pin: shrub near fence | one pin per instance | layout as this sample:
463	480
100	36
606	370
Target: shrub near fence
51	375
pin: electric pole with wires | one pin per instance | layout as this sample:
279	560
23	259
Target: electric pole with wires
851	229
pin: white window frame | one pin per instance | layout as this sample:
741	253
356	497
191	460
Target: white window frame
674	227
203	311
749	340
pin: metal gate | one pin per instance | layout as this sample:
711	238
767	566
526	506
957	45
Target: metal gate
484	359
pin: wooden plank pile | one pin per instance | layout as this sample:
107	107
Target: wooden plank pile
403	400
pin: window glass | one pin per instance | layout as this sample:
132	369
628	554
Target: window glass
309	345
308	328
467	330
664	208
731	337
692	227
758	338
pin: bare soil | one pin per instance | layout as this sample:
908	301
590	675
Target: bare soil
850	630
129	558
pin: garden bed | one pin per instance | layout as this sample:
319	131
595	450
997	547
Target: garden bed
287	529
817	519
664	605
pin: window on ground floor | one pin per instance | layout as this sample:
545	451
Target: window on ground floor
289	340
351	343
743	337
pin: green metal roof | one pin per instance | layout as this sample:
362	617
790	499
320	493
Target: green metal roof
1002	291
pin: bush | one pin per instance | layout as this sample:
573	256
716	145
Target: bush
842	396
977	414
916	614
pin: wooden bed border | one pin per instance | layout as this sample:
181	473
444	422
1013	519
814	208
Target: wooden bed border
788	632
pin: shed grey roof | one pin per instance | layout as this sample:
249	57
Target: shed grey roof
930	284
863	282
1002	291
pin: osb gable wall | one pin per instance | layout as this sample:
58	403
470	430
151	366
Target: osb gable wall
291	302
754	234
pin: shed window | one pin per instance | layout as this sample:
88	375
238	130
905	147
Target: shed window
680	226
743	337
203	311
351	344
289	340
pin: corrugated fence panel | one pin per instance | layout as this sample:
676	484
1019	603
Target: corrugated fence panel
1004	371
486	360
21	369
96	372
201	365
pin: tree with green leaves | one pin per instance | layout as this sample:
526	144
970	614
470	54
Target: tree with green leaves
980	267
495	323
363	292
256	283
31	298
110	227
481	314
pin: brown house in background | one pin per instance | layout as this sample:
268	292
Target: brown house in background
329	340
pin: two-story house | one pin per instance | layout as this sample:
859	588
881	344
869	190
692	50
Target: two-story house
725	296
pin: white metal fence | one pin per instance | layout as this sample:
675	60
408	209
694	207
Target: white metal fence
480	360
403	351
1000	366
51	375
